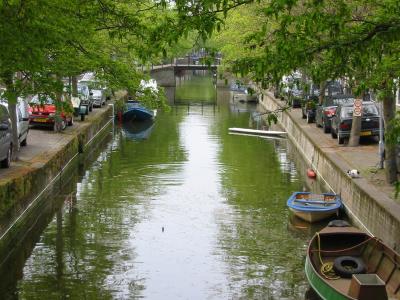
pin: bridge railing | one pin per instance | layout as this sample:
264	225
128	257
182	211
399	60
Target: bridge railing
181	61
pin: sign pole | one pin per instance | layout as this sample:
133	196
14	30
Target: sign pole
381	142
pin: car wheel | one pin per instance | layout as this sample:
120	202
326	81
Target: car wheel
333	133
340	139
24	142
71	121
61	126
325	128
5	163
309	118
316	122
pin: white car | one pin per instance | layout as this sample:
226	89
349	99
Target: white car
22	108
98	97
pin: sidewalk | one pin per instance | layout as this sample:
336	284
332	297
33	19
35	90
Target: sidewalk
369	200
43	143
364	158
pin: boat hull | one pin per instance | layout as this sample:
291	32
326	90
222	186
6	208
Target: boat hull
362	266
313	217
324	290
314	207
139	114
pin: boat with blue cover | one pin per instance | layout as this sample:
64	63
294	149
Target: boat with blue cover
314	207
135	111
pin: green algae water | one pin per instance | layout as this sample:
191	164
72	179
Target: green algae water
195	86
184	210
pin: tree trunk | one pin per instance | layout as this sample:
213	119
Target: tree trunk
322	86
354	139
12	108
74	86
389	110
58	126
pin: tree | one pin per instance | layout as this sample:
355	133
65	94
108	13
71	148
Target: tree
43	41
328	39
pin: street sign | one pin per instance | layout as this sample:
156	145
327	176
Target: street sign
357	108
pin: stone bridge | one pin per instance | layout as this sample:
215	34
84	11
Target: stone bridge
166	74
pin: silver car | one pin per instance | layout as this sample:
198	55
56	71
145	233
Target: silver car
5	137
98	97
22	113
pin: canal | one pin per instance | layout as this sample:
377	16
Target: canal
179	210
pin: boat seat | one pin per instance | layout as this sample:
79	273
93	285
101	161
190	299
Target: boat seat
314	201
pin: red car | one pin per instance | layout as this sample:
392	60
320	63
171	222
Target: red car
42	112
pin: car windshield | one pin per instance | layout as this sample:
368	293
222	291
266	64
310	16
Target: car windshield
96	93
337	101
368	110
42	100
82	88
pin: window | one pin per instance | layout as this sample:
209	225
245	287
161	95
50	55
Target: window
347	112
3	114
370	110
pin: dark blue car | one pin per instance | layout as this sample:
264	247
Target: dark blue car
343	119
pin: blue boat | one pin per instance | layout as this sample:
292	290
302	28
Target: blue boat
135	111
314	207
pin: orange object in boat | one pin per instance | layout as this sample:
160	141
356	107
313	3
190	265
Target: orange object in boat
311	173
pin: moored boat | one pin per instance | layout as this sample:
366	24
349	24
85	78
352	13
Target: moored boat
346	263
314	207
135	111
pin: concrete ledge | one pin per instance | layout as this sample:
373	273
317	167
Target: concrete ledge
22	183
366	206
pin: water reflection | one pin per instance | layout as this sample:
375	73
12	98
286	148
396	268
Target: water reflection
190	213
138	130
196	86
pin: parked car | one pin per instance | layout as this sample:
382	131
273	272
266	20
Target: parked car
42	112
291	90
327	109
22	112
84	95
98	97
343	119
5	137
309	108
86	87
333	88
